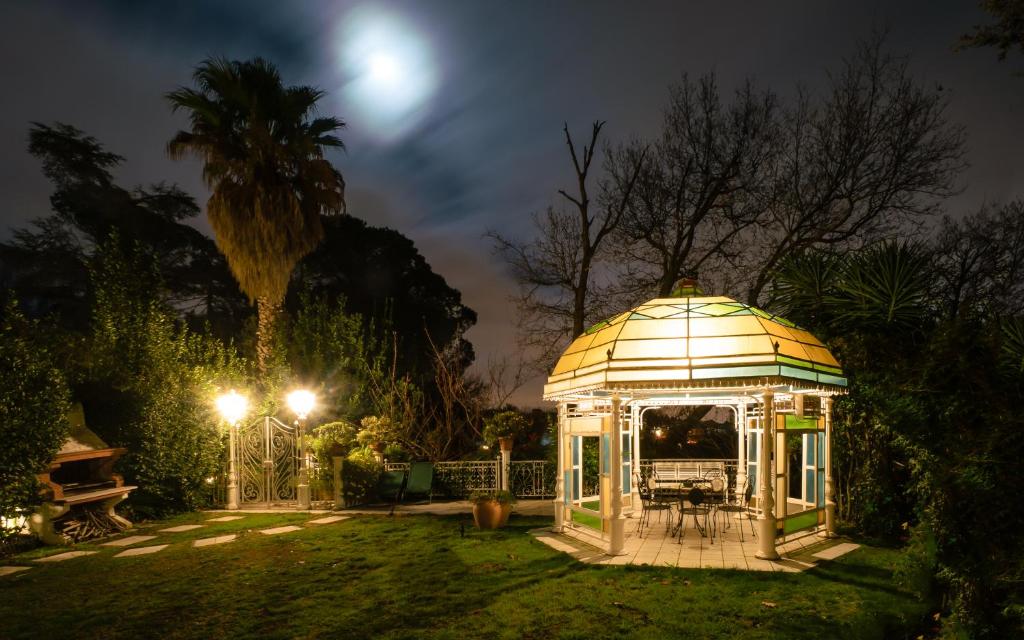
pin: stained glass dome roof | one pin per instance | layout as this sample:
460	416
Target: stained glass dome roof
693	341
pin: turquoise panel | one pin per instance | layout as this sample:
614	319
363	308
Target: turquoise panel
821	488
830	379
793	372
735	372
606	453
567	480
809	484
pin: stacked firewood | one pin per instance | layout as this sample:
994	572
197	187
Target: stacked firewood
86	524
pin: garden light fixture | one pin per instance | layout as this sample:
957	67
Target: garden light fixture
301	402
232	407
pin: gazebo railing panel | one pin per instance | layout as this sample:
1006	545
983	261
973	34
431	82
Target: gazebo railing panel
680	469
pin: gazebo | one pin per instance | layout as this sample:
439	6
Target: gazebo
690	349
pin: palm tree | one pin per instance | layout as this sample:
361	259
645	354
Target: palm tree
263	159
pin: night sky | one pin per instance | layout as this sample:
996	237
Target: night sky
455	109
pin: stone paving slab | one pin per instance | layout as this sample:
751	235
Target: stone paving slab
182	527
6	571
328	520
127	542
834	552
225	519
61	557
205	542
276	530
141	551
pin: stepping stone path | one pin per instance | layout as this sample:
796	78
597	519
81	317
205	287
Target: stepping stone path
126	542
61	557
6	571
276	530
328	520
834	552
182	527
201	542
141	551
205	542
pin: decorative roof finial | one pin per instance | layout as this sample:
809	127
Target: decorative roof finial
687	288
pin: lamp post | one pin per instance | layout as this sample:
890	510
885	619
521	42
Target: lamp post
301	402
232	407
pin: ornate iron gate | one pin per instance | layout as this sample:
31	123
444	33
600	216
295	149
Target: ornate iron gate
267	462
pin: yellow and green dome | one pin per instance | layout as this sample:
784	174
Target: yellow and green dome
693	341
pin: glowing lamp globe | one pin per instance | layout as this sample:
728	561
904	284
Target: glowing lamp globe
301	402
232	406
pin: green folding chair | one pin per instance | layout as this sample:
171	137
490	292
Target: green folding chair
421	480
391	486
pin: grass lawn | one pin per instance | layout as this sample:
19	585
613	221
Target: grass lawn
416	577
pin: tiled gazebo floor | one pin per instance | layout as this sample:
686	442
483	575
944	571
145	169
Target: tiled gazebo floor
656	547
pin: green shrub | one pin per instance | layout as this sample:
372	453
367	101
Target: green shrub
916	567
359	475
150	385
506	424
34	403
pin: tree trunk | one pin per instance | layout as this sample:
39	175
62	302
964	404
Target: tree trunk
266	312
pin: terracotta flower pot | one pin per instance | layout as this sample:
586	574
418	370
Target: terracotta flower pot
491	514
505	443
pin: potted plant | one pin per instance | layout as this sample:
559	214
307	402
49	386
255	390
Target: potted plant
375	433
503	427
491	508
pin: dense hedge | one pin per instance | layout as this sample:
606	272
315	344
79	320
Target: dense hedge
34	402
149	386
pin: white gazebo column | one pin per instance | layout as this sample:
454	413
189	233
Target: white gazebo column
617	524
766	467
560	488
741	449
634	427
830	498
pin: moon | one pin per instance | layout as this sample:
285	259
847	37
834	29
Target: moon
389	70
383	69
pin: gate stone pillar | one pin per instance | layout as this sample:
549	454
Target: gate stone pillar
233	493
302	489
506	462
766	465
339	489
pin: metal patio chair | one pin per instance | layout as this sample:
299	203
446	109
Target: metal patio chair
649	501
741	506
